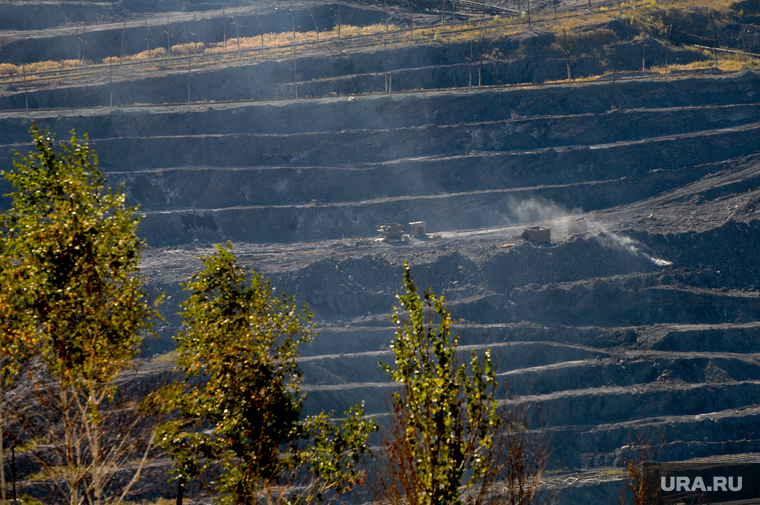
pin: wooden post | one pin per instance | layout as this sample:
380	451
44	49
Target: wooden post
261	22
339	20
110	79
224	22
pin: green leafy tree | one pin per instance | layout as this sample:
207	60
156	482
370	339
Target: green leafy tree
239	406
448	441
73	247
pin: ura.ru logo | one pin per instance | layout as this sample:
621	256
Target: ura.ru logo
685	484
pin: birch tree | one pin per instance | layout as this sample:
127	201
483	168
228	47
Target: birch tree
74	243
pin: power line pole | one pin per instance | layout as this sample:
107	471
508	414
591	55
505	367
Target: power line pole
470	86
411	19
295	74
385	61
393	62
147	35
110	78
530	25
26	93
189	68
123	35
195	34
385	12
168	35
237	28
482	43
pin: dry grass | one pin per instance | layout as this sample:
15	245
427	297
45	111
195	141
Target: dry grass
282	38
726	63
39	66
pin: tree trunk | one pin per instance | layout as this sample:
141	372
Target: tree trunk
2	449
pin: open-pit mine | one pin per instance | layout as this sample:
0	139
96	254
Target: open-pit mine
584	178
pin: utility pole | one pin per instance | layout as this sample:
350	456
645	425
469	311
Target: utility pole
385	12
195	239
314	20
614	83
470	86
123	34
295	73
385	60
110	78
482	44
530	26
474	118
237	28
261	23
168	35
195	33
189	69
643	54
224	22
339	20
411	19
147	35
667	50
26	94
393	62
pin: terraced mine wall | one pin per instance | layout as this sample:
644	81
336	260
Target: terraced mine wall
528	57
105	40
272	186
648	323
